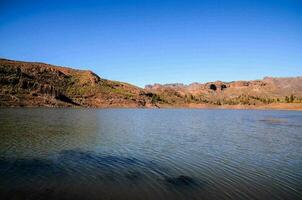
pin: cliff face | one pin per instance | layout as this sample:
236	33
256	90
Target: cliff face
39	84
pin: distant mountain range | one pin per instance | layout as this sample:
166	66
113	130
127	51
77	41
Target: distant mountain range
33	84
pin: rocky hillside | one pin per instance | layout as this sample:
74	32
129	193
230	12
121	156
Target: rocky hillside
39	84
266	91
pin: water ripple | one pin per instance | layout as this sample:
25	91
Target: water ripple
150	154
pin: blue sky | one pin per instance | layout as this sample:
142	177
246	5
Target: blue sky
144	42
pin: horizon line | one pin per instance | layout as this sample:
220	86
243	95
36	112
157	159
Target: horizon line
154	83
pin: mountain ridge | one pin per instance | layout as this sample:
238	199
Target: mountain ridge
35	84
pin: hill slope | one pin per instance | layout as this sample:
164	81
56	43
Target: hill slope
38	84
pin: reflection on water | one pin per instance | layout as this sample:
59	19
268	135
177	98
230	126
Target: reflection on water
150	154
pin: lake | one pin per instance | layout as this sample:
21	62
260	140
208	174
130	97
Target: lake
49	153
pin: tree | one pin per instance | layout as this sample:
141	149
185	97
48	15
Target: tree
286	99
191	97
291	98
155	99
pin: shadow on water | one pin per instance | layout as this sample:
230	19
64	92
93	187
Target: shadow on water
280	122
274	121
21	178
181	181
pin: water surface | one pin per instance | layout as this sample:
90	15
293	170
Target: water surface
150	154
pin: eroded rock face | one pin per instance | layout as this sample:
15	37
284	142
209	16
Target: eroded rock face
223	86
213	87
240	84
217	86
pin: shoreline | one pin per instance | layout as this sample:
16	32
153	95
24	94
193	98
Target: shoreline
274	106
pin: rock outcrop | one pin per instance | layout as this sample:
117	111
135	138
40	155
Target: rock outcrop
258	92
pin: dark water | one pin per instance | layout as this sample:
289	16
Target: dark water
150	154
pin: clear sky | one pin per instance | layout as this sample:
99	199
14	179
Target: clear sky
151	41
